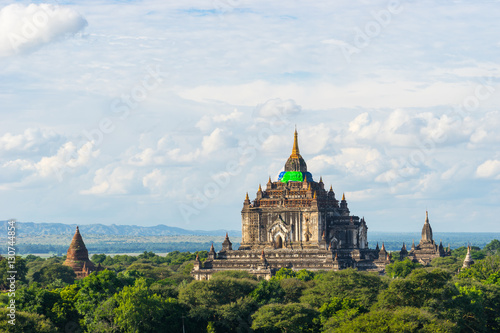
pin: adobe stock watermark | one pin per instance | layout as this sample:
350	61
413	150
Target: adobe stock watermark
247	152
121	108
363	36
30	28
458	114
11	271
224	6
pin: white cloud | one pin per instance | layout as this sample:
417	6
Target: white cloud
111	180
156	181
26	28
206	122
213	142
68	158
31	140
489	169
277	107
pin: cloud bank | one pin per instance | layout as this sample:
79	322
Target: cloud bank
24	29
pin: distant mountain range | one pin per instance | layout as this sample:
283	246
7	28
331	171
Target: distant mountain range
41	229
133	238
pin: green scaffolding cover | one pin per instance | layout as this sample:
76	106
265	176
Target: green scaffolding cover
292	176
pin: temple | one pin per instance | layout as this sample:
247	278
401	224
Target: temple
427	249
295	223
78	257
468	261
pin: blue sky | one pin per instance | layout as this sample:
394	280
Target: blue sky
149	112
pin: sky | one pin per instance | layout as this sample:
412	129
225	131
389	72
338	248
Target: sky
168	112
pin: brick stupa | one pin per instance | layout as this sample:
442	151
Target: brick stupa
78	257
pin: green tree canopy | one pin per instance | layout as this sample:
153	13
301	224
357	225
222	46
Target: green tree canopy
139	310
421	288
25	322
401	268
399	320
289	318
347	283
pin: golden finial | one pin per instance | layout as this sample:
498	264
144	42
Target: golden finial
320	179
343	197
269	181
295	149
260	188
247	198
331	189
314	195
309	187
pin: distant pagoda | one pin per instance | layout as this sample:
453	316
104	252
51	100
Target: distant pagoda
78	257
427	249
468	261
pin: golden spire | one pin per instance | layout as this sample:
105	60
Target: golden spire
260	188
295	149
247	198
314	195
331	189
343	197
269	181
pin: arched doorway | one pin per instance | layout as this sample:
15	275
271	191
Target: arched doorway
279	242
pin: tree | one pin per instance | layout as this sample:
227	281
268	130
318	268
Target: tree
149	270
49	303
52	272
421	288
98	258
95	289
25	322
235	274
493	247
235	316
401	320
290	318
20	268
338	311
401	268
285	273
451	264
140	310
482	269
305	275
292	288
205	298
475	306
347	283
268	291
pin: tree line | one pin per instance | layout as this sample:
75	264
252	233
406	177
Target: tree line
151	293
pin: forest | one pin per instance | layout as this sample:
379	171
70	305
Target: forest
151	293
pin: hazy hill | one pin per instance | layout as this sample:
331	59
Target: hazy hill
41	229
99	238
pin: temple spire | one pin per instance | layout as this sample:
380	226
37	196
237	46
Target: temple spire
295	149
426	230
295	162
343	197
